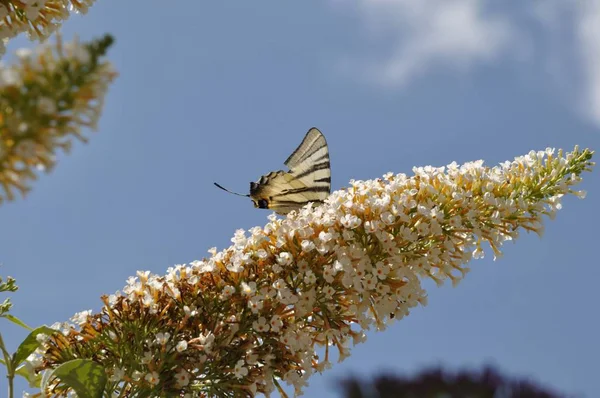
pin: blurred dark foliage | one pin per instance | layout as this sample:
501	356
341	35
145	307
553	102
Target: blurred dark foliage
440	383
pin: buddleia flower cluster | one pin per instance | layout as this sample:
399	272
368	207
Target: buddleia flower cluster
39	18
287	299
46	98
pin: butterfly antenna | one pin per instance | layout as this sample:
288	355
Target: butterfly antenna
227	190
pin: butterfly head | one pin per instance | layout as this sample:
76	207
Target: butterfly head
255	195
261	203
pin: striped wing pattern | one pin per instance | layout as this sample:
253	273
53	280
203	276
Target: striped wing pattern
309	178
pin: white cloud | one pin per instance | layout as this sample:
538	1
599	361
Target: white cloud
561	37
588	33
428	32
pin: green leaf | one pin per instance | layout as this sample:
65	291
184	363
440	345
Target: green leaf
30	344
17	321
84	376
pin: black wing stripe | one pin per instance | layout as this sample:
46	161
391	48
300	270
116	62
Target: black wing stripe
304	144
315	167
326	156
311	151
312	142
324	179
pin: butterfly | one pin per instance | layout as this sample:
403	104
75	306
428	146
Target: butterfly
309	178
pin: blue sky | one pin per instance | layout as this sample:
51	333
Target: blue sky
225	91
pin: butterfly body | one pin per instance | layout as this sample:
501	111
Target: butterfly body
309	178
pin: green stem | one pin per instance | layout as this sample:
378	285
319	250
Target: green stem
10	372
10	386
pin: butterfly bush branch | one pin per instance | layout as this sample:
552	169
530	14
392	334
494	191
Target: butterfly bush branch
9	286
39	18
274	306
440	382
46	98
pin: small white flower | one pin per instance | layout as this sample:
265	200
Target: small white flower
307	245
34	359
204	266
206	341
276	323
329	291
276	268
256	303
303	266
117	375
153	378
325	236
182	378
113	298
239	238
371	226
190	312
181	346
284	258
359	337
261	325
383	289
381	270
136	375
348	235
148	299
227	291
329	273
81	318
240	371
369	282
162	338
388	218
286	296
350	221
251	358
478	253
248	288
262	254
310	278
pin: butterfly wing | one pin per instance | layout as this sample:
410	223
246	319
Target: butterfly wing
278	191
309	178
310	162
